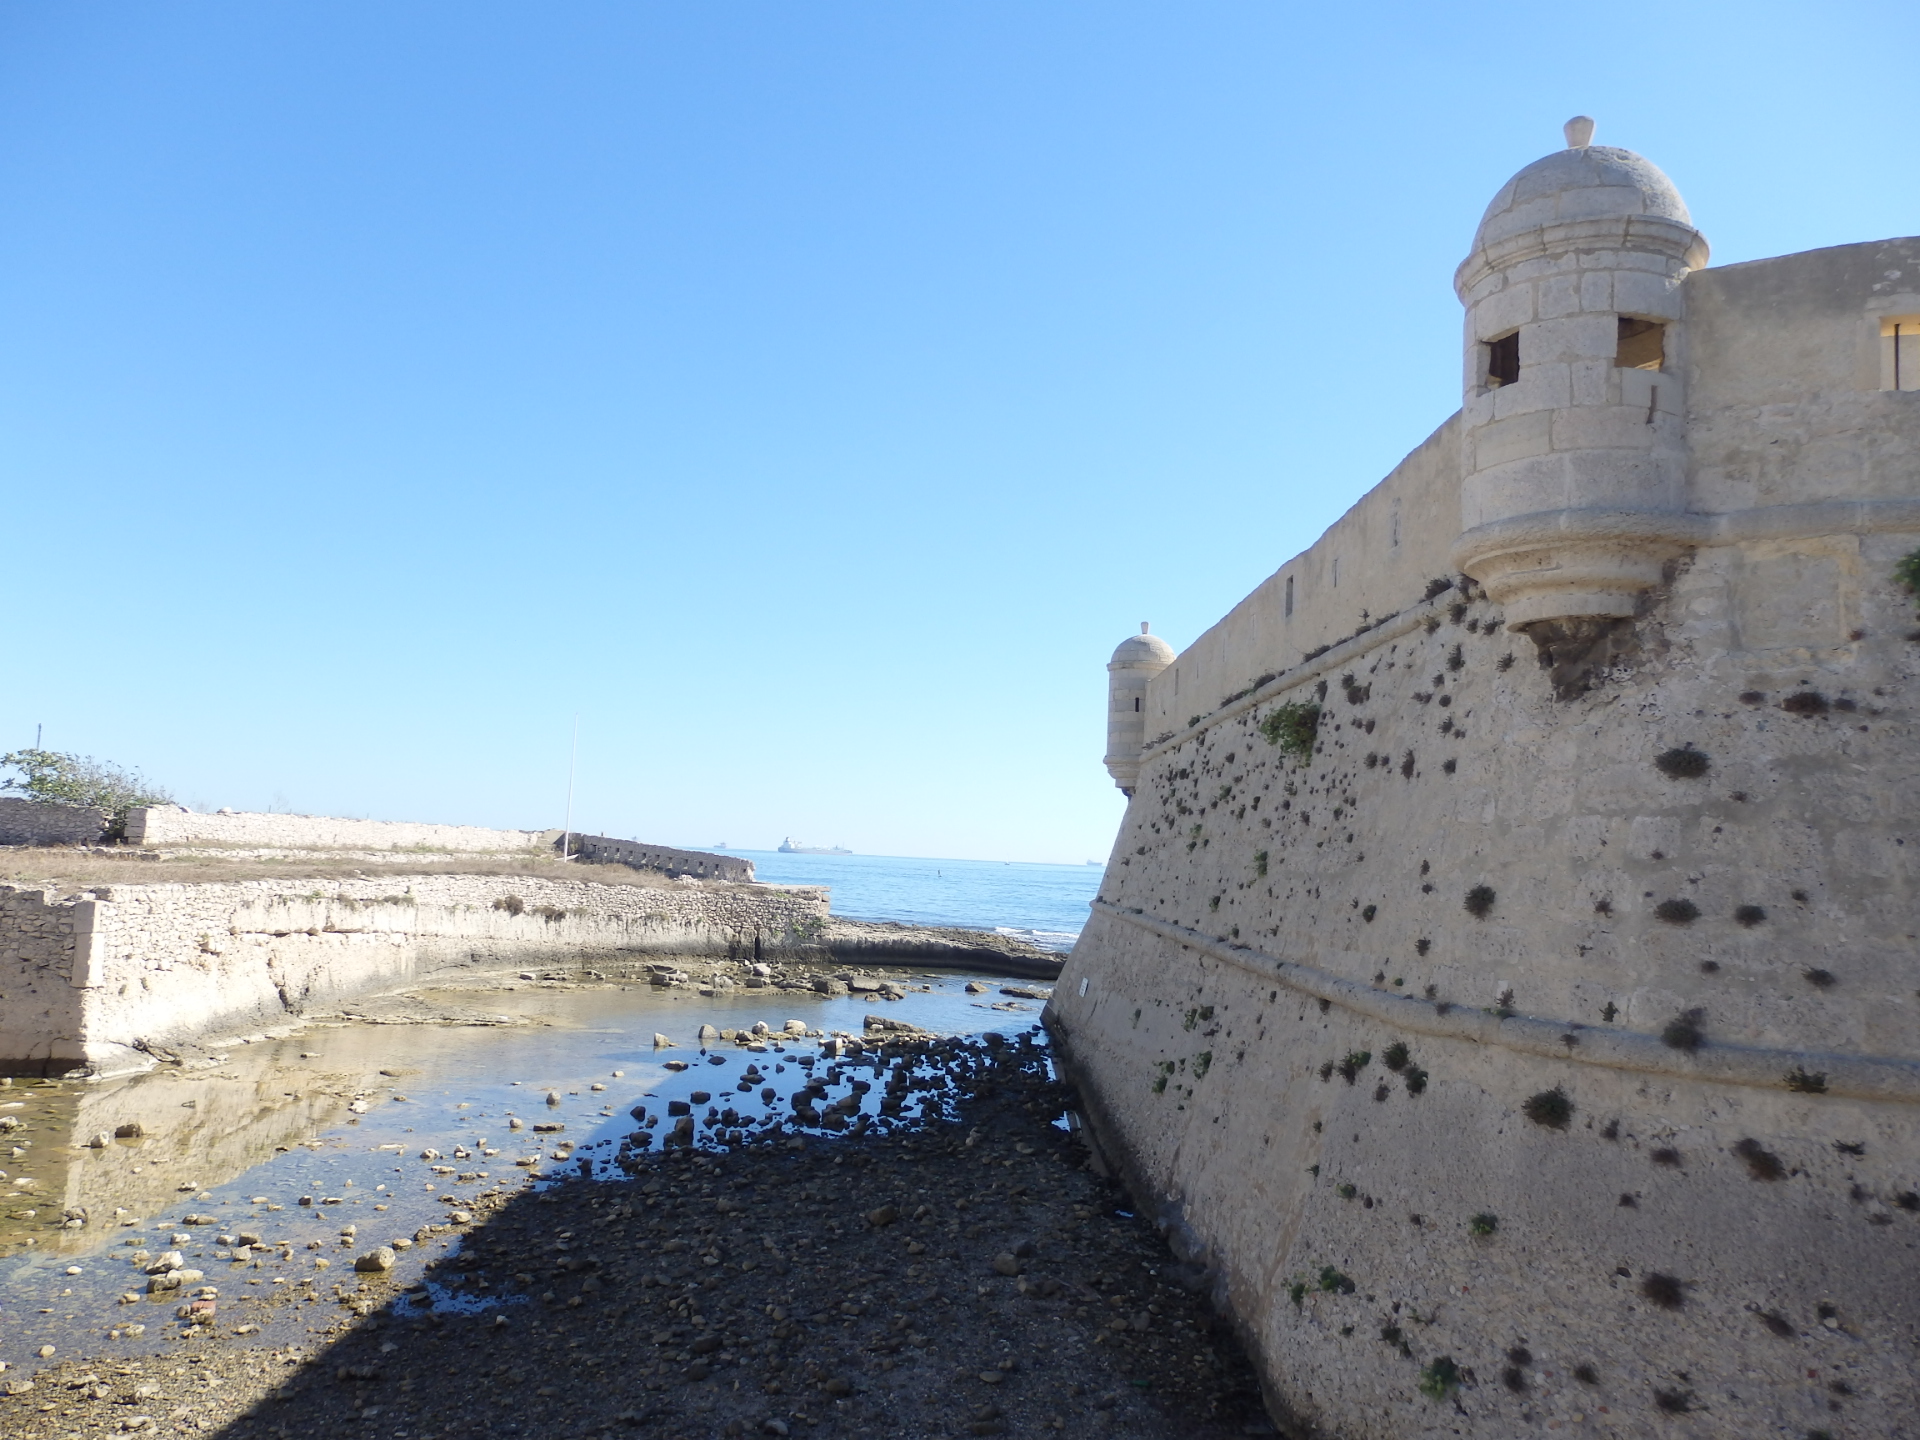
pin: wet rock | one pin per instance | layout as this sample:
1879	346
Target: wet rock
661	1042
378	1260
1006	1263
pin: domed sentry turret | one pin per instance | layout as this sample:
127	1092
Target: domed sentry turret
1139	658
1575	448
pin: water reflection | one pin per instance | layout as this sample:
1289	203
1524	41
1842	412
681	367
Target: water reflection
343	1137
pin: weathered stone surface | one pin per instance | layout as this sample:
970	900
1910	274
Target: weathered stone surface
1555	960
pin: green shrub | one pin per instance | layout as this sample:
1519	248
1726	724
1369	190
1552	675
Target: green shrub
1907	573
52	777
1333	1282
1439	1378
1293	727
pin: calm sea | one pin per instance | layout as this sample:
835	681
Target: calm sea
1046	904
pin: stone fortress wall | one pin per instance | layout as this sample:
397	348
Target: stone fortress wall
90	981
169	825
1541	1049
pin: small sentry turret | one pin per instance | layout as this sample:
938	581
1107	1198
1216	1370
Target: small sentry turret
1575	458
1139	658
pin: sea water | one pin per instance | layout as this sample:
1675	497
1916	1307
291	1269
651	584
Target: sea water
1046	904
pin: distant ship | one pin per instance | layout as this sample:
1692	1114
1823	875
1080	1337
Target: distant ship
787	847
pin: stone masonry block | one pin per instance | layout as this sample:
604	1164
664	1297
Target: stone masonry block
1514	439
1504	312
1541	387
1558	295
1574	337
1517	487
1656	297
1602	427
1595	382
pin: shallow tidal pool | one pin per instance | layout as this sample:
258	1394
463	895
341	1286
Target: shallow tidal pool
290	1158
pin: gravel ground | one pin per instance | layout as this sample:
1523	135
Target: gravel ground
966	1276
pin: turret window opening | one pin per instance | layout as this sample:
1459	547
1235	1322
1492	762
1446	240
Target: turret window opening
1503	361
1289	596
1642	344
1900	352
1136	704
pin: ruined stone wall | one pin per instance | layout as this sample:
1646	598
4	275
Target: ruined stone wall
605	850
1548	1037
23	822
39	1003
163	825
101	975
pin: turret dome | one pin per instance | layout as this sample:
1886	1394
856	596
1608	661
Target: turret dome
1583	191
1144	650
1594	182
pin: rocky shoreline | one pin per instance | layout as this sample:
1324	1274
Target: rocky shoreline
968	1274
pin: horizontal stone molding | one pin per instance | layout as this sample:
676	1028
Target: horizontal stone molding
1680	529
1685	529
1857	1077
1647	234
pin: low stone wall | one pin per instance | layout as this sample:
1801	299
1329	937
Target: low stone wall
23	822
605	850
161	825
92	980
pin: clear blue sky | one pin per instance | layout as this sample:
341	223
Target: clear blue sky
810	395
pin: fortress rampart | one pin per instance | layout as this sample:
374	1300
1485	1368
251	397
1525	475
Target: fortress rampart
1506	981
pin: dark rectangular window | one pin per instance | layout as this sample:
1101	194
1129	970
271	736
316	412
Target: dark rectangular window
1642	344
1289	595
1503	360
